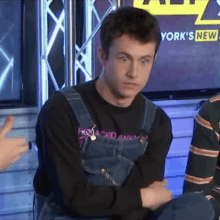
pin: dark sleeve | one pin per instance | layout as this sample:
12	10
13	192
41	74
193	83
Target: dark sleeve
150	167
203	154
56	139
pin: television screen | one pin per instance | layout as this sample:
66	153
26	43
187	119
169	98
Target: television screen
189	55
10	50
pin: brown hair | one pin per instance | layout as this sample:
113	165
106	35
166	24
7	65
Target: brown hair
137	23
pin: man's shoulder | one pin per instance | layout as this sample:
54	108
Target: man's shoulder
210	110
159	110
58	97
214	101
55	105
58	102
211	105
161	117
150	104
85	86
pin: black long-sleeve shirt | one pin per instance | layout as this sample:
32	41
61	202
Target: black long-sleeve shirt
60	169
203	167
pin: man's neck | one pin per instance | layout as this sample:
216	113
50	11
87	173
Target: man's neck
108	95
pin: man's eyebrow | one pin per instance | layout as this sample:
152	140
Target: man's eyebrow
124	53
147	56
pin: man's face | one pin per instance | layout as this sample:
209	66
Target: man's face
128	66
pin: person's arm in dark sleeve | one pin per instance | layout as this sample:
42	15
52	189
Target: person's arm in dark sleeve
203	154
150	167
56	137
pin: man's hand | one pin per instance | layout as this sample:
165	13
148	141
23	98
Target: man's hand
11	149
155	195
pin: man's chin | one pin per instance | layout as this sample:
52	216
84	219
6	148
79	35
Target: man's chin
126	94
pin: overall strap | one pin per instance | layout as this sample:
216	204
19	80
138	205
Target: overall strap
79	108
149	114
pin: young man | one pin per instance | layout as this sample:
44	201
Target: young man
102	145
203	167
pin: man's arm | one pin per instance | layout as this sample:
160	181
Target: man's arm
56	136
203	153
150	167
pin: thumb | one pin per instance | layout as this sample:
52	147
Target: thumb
7	126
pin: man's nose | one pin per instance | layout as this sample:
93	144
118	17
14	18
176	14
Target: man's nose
133	70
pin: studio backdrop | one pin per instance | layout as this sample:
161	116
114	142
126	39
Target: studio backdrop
189	56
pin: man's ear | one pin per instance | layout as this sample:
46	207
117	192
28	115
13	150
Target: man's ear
101	55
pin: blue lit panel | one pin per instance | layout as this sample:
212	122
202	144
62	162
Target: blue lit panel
10	50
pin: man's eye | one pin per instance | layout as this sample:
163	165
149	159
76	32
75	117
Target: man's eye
145	61
123	58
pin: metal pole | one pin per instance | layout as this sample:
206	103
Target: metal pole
74	42
70	41
94	32
42	45
39	95
88	32
117	3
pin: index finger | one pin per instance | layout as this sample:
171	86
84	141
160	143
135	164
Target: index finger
19	141
7	126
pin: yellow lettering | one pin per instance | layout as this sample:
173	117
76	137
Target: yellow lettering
197	7
206	35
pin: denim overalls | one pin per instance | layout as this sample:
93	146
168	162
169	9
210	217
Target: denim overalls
106	161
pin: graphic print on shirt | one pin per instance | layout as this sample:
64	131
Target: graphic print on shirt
85	132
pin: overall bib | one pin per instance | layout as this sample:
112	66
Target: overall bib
106	161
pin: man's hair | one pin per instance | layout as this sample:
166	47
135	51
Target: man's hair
137	23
